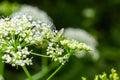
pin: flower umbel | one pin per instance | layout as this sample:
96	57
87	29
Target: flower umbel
64	49
17	34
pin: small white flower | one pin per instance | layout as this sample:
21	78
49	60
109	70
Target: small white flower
19	47
7	58
7	51
30	38
25	51
20	39
28	61
13	65
24	56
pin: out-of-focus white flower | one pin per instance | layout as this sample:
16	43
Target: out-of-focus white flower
84	37
34	12
80	35
89	13
1	77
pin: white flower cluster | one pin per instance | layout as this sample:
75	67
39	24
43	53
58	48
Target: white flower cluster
63	50
75	45
19	32
56	53
24	27
84	37
17	58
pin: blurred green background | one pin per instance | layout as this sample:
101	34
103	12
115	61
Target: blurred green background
103	22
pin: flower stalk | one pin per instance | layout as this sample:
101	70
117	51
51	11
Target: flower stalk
40	55
54	72
27	73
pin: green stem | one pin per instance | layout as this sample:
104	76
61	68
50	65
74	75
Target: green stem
1	65
54	72
27	73
44	60
44	71
40	55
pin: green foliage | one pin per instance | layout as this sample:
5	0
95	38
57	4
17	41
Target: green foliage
112	76
6	8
